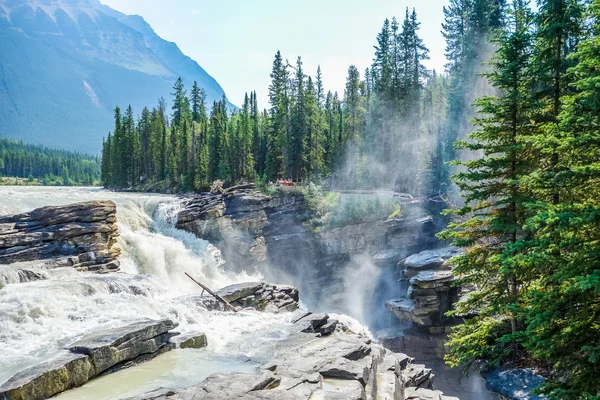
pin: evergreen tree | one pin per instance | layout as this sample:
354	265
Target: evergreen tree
496	205
277	144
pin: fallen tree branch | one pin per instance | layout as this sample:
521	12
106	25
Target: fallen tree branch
213	294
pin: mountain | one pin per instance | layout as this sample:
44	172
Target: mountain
66	64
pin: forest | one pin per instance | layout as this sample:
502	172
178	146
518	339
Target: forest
512	125
48	166
393	113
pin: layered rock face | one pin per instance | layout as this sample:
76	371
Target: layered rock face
96	354
259	296
82	235
430	292
340	365
257	231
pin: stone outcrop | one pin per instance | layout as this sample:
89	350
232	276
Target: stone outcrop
96	354
430	292
339	366
259	296
81	235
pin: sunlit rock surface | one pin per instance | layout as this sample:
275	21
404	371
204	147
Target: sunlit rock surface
81	235
342	365
431	292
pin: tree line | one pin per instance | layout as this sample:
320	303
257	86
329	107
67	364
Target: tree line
386	118
531	221
50	166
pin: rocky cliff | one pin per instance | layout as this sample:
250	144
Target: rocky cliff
82	235
256	231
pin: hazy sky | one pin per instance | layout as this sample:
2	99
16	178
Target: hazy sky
235	40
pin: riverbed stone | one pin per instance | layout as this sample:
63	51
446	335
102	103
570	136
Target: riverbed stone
191	341
42	381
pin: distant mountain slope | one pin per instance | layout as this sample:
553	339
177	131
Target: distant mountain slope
65	65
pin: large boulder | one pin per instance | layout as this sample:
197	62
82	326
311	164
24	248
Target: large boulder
514	383
111	348
49	378
83	234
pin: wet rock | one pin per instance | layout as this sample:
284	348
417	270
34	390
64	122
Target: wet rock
82	233
314	322
340	366
112	348
258	295
418	375
47	379
515	383
191	341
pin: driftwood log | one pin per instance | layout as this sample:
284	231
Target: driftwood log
216	296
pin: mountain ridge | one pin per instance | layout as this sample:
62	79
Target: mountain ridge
66	64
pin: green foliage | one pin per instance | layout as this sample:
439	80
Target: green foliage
328	209
40	164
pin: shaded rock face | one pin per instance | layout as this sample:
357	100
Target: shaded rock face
257	231
101	352
342	365
82	235
430	292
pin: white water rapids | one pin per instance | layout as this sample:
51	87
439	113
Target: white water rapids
38	318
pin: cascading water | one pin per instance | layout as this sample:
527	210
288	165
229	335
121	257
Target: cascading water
39	317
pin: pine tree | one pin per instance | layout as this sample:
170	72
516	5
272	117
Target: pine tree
563	302
277	144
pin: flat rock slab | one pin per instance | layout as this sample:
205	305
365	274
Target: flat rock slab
430	258
47	379
110	347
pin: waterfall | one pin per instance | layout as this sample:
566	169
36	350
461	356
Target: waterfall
38	317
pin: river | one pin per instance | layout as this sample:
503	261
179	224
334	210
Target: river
39	318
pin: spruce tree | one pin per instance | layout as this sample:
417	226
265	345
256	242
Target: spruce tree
496	206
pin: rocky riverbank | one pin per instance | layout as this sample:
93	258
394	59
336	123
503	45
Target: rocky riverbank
93	355
320	364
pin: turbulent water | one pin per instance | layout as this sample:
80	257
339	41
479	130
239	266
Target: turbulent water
38	318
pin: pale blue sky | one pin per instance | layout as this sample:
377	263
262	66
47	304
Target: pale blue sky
235	40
